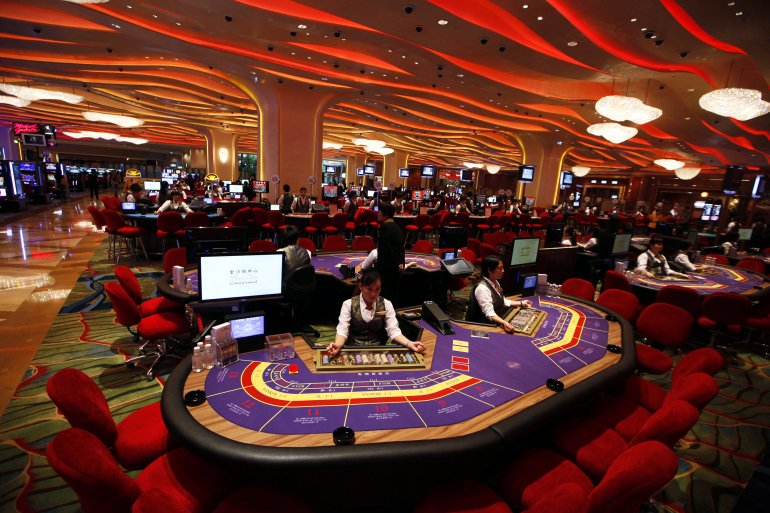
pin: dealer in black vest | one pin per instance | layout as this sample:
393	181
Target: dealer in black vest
369	320
487	302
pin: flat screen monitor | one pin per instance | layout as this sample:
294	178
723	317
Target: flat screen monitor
428	171
403	172
744	233
621	244
370	194
526	173
458	267
215	239
28	178
33	139
226	182
369	170
731	183
50	177
466	175
706	214
168	180
226	277
448	255
355	188
27	166
416	195
248	328
524	251
759	188
208	201
235	196
330	191
260	186
360	171
715	211
481	199
331	169
275	207
151	186
566	179
51	166
492	200
236	188
529	201
128	206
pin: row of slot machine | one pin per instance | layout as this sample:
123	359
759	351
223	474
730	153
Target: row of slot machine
28	181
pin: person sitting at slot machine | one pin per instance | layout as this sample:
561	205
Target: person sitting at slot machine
175	204
301	204
369	320
487	302
215	192
652	263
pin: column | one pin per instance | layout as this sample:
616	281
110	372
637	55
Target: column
10	149
548	158
353	163
221	153
390	166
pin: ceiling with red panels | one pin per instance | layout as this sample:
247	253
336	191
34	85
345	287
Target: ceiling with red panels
448	81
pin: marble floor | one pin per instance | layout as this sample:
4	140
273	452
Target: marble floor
43	251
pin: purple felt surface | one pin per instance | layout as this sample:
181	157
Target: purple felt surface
263	396
328	263
724	279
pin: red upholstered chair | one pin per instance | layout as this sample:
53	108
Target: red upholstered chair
197	220
136	441
96	217
153	329
661	325
469	255
724	313
579	287
509	237
276	224
752	264
423	246
174	256
241	217
363	243
123	234
148	502
486	250
637	473
703	360
319	221
189	482
111	202
413	230
306	243
698	389
270	500
334	243
615	280
152	306
620	302
259	218
683	297
170	227
340	225
262	246
474	245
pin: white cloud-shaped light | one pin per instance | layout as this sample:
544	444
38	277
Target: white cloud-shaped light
733	102
124	121
369	143
471	165
33	93
381	151
669	164
627	108
331	145
88	134
580	170
613	132
12	100
687	173
492	168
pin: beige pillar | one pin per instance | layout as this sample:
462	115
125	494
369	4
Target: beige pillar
353	163
548	158
198	158
390	166
221	153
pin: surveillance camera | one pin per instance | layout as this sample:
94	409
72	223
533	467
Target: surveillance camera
408	9
658	42
109	50
649	34
418	28
336	65
293	34
684	54
484	40
228	18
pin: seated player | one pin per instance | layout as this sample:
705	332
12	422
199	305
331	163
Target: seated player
683	261
296	256
369	320
652	263
487	302
175	204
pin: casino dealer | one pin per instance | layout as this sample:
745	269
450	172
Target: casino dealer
369	320
653	263
487	302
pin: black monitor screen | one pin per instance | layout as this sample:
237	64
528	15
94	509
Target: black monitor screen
368	170
428	171
360	171
215	239
330	191
621	244
466	175
253	275
331	169
403	172
481	199
731	183
759	189
526	173
260	186
151	186
524	251
236	188
566	179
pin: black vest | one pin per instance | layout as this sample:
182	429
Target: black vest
362	333
286	200
303	206
654	265
295	257
352	210
474	312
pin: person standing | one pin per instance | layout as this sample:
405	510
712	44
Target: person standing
93	184
390	251
286	200
301	203
64	186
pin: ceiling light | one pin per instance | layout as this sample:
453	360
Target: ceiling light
442	22
371	143
669	164
124	121
32	94
331	145
301	26
471	165
16	102
381	151
492	168
633	20
687	173
733	102
626	108
580	170
132	140
539	18
613	132
572	43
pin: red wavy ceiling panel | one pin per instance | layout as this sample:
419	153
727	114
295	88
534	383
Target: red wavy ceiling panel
302	12
349	55
738	141
31	12
693	28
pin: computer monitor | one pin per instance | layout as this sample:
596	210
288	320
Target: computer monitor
458	266
3	192
492	200
369	170
449	255
466	175
529	201
403	172
128	206
275	206
151	186
716	209
706	214
524	251
481	199
260	186
428	171
236	188
208	201
331	169
248	329
526	173
215	239
370	194
330	191
168	180
224	277
621	243
416	195
360	171
759	187
226	182
744	233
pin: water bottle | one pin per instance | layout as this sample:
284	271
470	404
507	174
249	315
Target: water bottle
209	356
188	287
197	363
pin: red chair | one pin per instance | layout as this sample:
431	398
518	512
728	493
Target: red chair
334	243
703	360
661	325
340	225
724	314
189	482
306	243
259	218
157	328
698	389
319	221
197	220
133	288
474	245
413	230
174	256
271	500
111	202
620	302
683	297
135	441
170	226
262	246
469	255
363	243
752	264
485	250
615	280
580	288
131	236
423	246
241	217
97	219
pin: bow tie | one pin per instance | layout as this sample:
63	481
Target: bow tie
369	307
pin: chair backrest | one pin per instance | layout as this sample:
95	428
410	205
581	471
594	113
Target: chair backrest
474	245
96	217
579	287
334	243
363	243
174	256
620	302
320	220
726	308
423	246
421	220
752	264
87	466
241	217
463	218
276	218
435	219
665	324
683	297
490	238
615	280
82	403
469	255
196	219
130	284
262	246
126	311
259	215
300	283
306	243
111	202
339	220
113	220
170	221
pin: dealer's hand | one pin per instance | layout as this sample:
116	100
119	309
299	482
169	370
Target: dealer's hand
526	303
334	348
507	326
417	347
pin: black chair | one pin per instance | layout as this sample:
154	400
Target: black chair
298	292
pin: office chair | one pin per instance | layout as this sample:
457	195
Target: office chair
298	291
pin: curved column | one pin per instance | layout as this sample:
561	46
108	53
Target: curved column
548	158
353	163
221	153
390	165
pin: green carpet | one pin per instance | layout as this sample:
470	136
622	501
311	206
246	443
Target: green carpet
717	457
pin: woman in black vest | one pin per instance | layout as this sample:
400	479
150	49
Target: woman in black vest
296	256
487	302
369	319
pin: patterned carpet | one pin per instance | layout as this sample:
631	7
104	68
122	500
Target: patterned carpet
717	457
